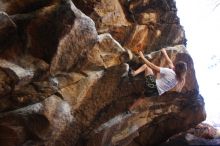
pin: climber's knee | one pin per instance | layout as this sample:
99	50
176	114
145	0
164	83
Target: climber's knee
148	70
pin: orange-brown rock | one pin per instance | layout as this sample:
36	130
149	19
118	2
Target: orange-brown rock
107	52
63	74
123	127
149	23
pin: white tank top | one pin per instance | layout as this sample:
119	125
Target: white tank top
166	81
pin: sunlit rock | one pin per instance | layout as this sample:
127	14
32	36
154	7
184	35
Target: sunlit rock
64	81
108	52
80	38
159	19
106	14
139	125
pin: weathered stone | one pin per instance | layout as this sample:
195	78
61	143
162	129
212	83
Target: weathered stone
39	67
108	13
46	120
189	139
147	18
108	16
64	28
204	130
175	35
78	92
152	24
6	83
61	81
143	5
25	95
15	83
80	39
136	41
17	73
32	93
11	135
107	52
7	31
22	6
169	18
116	130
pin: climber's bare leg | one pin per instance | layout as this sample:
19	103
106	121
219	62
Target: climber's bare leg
139	70
148	71
144	68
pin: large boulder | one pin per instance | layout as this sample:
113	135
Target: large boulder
107	52
157	118
150	24
63	77
42	121
202	134
155	121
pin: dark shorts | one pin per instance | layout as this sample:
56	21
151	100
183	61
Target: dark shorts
150	86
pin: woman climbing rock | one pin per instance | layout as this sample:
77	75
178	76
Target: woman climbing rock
158	79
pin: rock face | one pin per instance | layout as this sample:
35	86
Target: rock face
202	134
62	67
150	23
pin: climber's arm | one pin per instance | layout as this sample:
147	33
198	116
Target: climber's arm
169	61
148	63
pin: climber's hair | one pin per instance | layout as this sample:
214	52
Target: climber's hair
180	70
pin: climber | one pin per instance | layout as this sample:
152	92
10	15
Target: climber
158	80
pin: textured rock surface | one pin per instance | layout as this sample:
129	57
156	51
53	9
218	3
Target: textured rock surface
155	118
202	134
7	31
61	67
204	130
189	139
151	23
